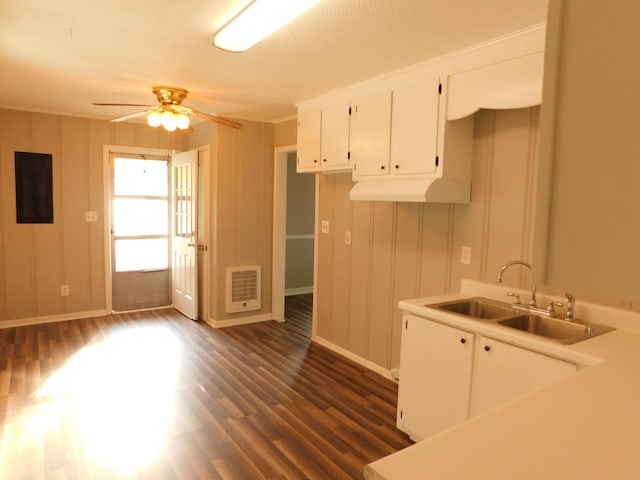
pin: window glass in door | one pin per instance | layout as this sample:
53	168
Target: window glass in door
140	233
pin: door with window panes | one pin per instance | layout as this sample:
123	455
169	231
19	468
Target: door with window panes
140	232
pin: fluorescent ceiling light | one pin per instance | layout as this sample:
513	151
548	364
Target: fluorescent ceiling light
259	20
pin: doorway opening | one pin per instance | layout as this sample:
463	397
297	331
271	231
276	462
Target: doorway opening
140	276
294	243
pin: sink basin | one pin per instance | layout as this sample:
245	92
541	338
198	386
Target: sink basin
478	308
556	329
494	311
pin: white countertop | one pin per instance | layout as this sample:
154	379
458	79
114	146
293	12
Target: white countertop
585	427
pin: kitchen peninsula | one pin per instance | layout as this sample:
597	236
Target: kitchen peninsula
586	426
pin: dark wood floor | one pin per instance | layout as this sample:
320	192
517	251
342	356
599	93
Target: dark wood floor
298	311
156	396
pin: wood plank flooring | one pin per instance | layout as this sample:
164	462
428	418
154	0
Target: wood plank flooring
156	396
298	311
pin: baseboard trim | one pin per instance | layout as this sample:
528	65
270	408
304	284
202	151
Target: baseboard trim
298	291
356	358
25	322
231	322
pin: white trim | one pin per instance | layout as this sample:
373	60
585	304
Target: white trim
316	246
23	322
106	216
298	291
285	119
279	229
204	193
144	309
356	358
232	322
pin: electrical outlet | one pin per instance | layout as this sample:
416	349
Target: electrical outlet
64	290
347	237
465	255
324	226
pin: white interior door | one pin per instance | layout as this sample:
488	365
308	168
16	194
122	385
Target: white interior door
184	233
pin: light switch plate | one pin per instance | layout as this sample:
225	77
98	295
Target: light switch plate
90	216
324	226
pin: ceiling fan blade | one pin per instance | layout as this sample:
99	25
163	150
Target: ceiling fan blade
128	117
212	118
121	105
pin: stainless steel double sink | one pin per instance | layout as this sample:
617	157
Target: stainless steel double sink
485	309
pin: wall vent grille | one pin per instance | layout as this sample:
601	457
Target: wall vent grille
243	289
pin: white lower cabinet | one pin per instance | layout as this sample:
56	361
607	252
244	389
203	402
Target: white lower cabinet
448	375
435	377
504	372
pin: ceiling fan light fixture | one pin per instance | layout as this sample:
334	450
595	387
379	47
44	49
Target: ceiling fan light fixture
256	22
169	121
182	121
154	118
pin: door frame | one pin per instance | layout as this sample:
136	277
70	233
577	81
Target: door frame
107	151
280	155
204	229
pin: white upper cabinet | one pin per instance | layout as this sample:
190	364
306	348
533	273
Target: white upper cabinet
323	136
415	125
309	125
371	132
397	130
409	136
335	135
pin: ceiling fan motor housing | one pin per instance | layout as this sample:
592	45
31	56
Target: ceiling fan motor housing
170	95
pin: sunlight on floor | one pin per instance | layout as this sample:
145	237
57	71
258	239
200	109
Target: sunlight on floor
111	403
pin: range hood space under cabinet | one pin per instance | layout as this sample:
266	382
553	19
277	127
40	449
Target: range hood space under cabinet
408	135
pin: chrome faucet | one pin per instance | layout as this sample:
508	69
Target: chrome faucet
571	301
533	301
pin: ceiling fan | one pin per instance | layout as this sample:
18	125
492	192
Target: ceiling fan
171	114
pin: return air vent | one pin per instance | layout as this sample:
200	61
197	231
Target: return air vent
243	289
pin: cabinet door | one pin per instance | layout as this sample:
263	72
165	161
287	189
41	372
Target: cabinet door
370	134
505	372
308	146
435	377
335	135
415	126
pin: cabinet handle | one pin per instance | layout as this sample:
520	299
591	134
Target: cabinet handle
397	167
463	340
487	348
315	160
324	160
381	167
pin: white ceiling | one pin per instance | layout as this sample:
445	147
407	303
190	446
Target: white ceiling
59	56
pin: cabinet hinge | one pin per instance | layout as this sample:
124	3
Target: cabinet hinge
437	160
439	88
